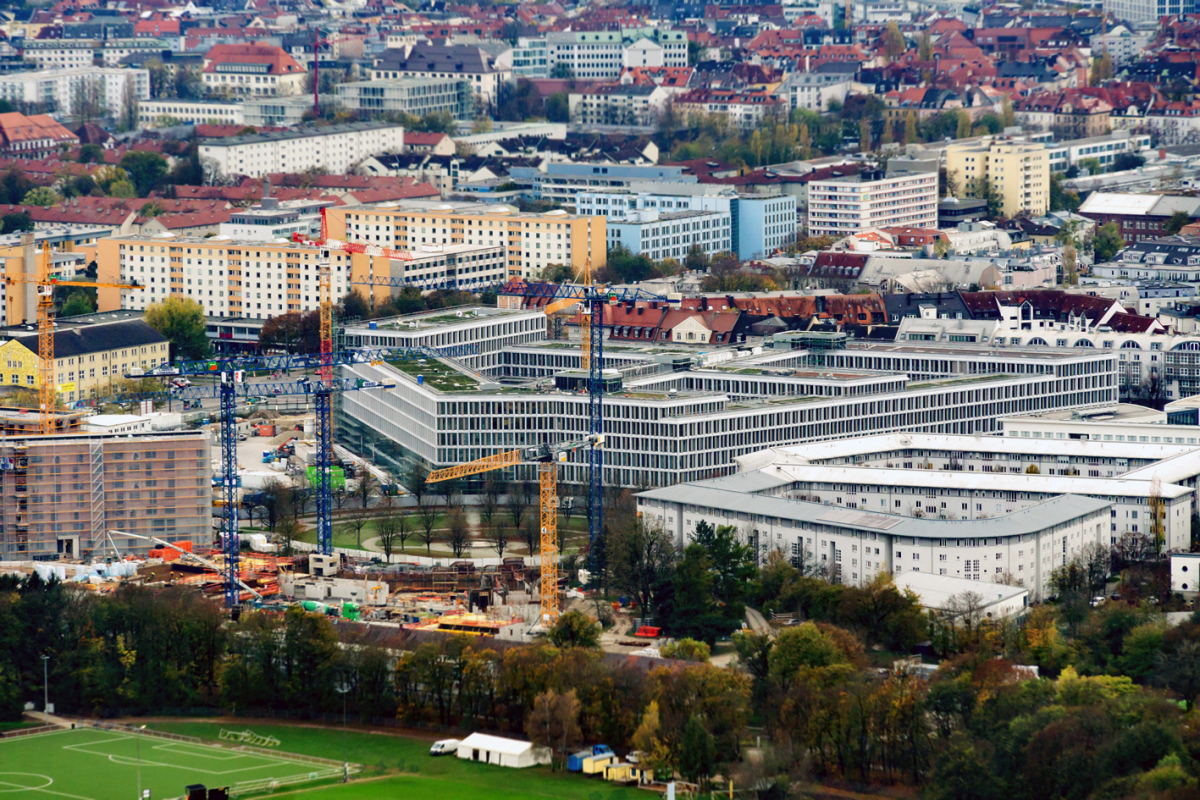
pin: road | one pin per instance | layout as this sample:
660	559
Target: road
758	623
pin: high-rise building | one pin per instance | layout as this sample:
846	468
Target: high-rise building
1016	171
533	240
1147	10
872	199
60	494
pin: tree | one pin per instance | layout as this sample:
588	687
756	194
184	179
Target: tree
1107	243
801	646
91	154
128	119
734	564
359	519
42	196
893	41
1176	222
554	721
87	100
188	83
354	306
964	124
145	170
428	512
516	503
449	490
864	135
1006	113
293	332
1179	671
687	650
392	529
575	629
16	222
365	486
805	142
457	534
77	303
697	752
496	536
1102	70
910	128
558	107
925	50
121	189
181	321
416	480
562	71
640	559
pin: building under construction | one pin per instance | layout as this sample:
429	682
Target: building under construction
59	494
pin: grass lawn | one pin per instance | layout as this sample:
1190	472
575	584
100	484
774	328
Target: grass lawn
409	770
91	764
16	726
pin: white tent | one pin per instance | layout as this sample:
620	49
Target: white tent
502	752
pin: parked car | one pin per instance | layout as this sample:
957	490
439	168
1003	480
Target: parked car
1098	601
445	747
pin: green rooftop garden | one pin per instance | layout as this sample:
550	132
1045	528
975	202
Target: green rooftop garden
437	375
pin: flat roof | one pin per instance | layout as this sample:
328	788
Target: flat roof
976	481
966	349
439	318
473	208
935	591
1121	412
865	446
1030	520
299	133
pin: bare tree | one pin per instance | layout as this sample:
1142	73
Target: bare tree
392	528
805	562
531	532
516	503
457	534
1096	560
554	721
489	499
428	512
288	530
367	486
450	491
359	519
497	537
639	557
339	496
129	106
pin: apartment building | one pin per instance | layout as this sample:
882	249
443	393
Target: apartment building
254	70
78	53
560	182
274	219
530	58
62	87
90	360
337	148
1147	11
603	54
227	277
661	437
1104	149
873	198
152	113
1018	171
618	104
471	64
32	137
759	223
416	96
61	494
671	234
855	547
533	240
744	108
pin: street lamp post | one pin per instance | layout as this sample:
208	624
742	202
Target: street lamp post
46	687
343	688
139	760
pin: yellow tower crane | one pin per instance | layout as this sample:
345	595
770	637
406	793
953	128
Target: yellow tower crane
46	280
545	456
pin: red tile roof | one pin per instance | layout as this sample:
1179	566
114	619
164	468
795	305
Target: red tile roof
16	128
277	61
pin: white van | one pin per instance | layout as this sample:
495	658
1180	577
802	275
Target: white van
445	747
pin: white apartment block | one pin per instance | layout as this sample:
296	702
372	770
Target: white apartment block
871	199
603	54
855	546
1104	149
671	234
61	87
152	113
76	53
228	278
1146	10
660	438
337	148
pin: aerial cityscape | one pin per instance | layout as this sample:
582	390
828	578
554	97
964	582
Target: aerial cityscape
599	400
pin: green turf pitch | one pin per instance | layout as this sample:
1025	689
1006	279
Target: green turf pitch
89	764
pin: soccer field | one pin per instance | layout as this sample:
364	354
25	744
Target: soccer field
93	764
